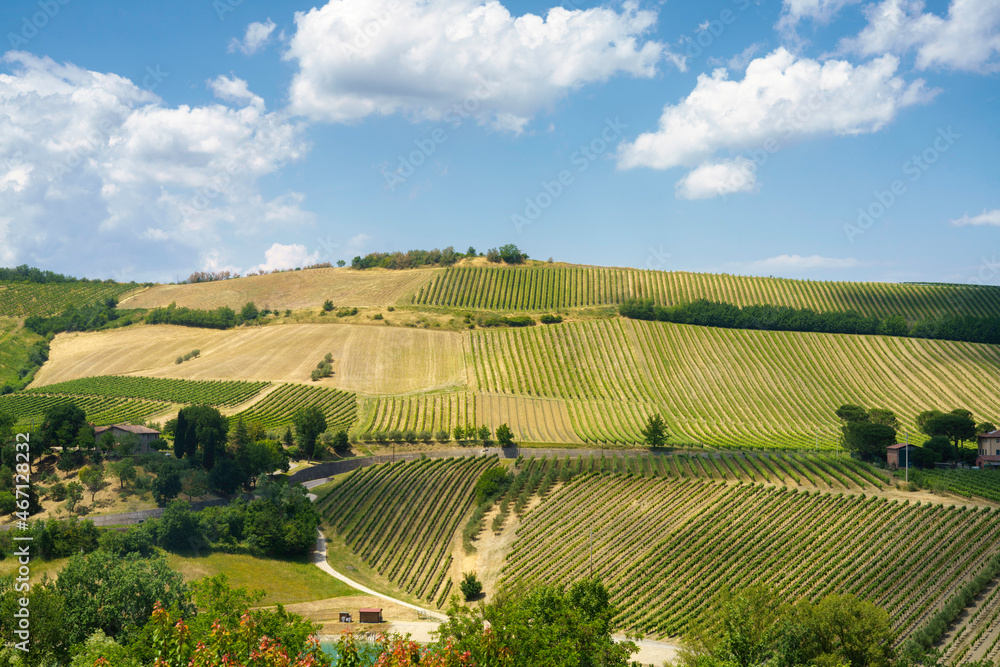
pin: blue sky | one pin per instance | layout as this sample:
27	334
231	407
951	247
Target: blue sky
824	139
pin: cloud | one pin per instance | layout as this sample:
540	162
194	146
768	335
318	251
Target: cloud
821	11
233	89
991	218
257	36
280	256
444	59
968	38
713	179
780	99
97	173
798	264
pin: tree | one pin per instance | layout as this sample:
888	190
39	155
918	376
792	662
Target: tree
852	413
505	436
85	437
328	305
249	312
868	439
200	425
655	432
956	427
470	586
851	630
178	528
181	435
128	445
240	437
74	493
166	486
116	593
7	423
459	433
982	427
124	470
195	483
309	423
484	434
511	254
340	441
61	425
93	479
925	417
287	440
883	416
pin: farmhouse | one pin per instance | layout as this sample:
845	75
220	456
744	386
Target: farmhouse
989	449
900	455
146	435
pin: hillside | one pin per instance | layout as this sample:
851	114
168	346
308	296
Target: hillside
545	288
24	299
290	290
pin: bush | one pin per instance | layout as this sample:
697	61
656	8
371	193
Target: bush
471	587
377	316
294	452
57	492
395	435
410	435
425	436
551	319
442	436
7	503
179	360
328	305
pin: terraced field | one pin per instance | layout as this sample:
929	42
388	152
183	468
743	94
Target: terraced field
291	290
278	408
399	519
101	410
664	546
728	388
157	389
547	288
19	299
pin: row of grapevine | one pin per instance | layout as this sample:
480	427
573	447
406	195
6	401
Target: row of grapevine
728	388
968	483
544	288
100	410
422	412
666	546
206	392
400	518
279	407
22	299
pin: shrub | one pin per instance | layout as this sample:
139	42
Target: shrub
390	309
425	436
179	360
442	436
294	452
57	492
377	316
471	587
551	319
410	435
328	305
395	435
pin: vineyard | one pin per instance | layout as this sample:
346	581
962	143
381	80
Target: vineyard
665	546
101	410
219	393
727	388
400	519
546	288
23	299
278	408
968	483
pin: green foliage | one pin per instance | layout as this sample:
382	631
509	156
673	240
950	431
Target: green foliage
61	426
655	431
505	437
222	317
867	433
406	260
957	425
249	312
309	423
470	586
277	409
116	594
204	392
92	479
492	483
546	625
166	486
551	319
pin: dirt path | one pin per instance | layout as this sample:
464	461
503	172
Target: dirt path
319	559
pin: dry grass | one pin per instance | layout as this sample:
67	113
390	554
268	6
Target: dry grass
369	359
292	290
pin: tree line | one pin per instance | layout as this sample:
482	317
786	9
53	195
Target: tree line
412	259
31	274
702	312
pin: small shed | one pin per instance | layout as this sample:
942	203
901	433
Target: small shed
345	617
370	615
897	456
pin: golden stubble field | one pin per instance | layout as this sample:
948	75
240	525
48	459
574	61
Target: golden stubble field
368	359
291	290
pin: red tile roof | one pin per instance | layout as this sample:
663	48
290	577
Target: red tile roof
131	428
901	445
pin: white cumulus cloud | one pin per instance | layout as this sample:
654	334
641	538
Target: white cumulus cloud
794	11
280	256
985	218
781	99
98	173
968	38
722	177
447	59
257	36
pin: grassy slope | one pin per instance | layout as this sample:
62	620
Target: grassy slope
26	299
14	344
538	288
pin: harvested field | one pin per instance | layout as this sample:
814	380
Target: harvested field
368	359
291	290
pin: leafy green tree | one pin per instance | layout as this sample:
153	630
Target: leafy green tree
956	426
166	486
116	593
287	439
178	528
128	445
549	625
124	470
181	436
470	586
655	431
249	312
505	436
847	629
195	484
982	427
309	423
49	644
92	477
492	483
511	254
7	423
868	439
341	441
883	416
85	438
484	434
101	647
61	425
852	413
925	417
74	494
459	433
